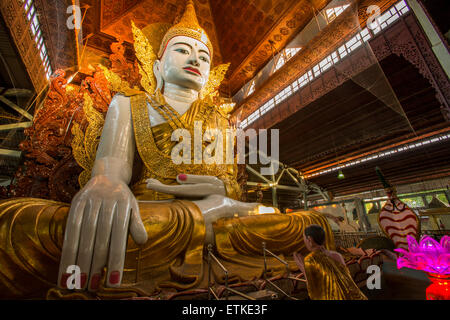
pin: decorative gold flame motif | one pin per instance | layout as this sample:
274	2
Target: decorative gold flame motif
227	107
216	77
117	84
84	145
146	56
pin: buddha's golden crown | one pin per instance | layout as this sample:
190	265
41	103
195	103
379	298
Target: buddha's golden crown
187	26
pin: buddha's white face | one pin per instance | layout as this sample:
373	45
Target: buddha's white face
185	62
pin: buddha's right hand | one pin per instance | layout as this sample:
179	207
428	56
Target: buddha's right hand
97	231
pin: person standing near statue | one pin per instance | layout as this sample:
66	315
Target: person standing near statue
326	273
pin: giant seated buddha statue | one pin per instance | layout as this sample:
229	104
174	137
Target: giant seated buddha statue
140	223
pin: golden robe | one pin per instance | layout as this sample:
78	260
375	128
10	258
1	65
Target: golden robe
327	279
173	259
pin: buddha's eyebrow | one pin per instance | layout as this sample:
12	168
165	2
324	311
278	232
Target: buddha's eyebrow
186	44
204	52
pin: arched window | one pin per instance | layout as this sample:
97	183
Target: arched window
284	57
251	88
333	13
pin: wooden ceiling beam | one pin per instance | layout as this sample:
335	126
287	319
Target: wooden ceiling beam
375	150
411	167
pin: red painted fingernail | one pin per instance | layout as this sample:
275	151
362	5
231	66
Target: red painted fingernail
182	177
83	278
64	278
114	277
95	281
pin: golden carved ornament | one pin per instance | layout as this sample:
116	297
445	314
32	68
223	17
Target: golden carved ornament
216	77
117	84
146	56
84	145
155	33
119	65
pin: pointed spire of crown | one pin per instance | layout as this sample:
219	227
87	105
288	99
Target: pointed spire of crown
187	26
189	18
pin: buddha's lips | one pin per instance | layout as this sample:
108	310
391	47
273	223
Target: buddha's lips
193	70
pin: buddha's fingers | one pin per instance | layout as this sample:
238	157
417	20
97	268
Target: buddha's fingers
105	222
194	179
118	244
87	238
71	239
246	209
137	228
185	190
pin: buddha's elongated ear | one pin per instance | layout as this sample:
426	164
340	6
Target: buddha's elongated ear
158	75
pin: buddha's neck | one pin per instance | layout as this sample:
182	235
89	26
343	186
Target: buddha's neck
179	98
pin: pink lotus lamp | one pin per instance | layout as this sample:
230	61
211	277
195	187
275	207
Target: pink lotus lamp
433	258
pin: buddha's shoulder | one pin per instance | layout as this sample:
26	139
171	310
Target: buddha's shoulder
126	96
120	99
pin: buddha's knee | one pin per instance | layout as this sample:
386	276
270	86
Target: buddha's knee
31	237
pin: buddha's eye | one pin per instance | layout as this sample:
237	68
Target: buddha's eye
204	59
181	50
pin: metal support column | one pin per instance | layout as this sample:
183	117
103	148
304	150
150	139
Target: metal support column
364	220
305	201
274	197
447	195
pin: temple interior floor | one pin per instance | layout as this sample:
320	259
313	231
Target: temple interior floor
404	284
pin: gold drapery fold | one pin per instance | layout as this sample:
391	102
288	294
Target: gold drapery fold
239	241
173	254
31	237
